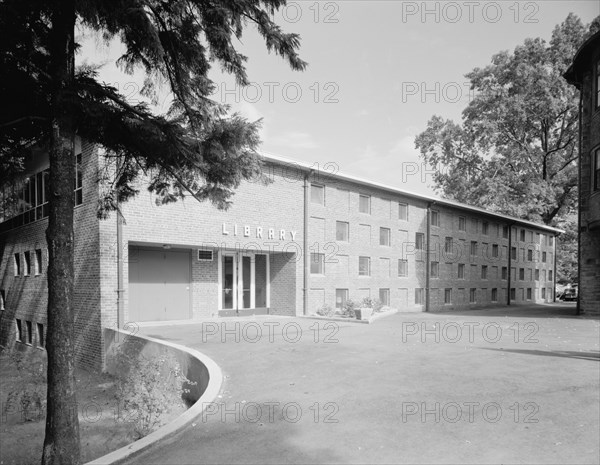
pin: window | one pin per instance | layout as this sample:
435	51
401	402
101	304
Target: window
364	204
462	223
505	232
2	299
474	248
435	269
447	296
596	170
448	245
38	261
513	293
341	296
17	264
342	231
598	84
317	194
474	225
494	295
529	255
419	297
384	296
522	274
513	253
522	235
472	295
402	268
543	292
484	270
549	275
484	228
537	274
544	257
551	239
435	218
317	263
461	271
528	293
495	250
419	241
364	266
403	211
78	180
384	236
504	272
29	333
27	268
18	330
41	342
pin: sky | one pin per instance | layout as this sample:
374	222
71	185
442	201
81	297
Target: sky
377	72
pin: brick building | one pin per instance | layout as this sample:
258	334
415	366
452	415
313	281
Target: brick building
307	238
584	73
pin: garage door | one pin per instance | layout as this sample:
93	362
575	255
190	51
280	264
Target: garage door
159	284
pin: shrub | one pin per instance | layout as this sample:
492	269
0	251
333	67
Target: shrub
367	302
325	310
147	387
29	396
348	309
377	305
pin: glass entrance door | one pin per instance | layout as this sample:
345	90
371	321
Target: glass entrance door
228	284
244	281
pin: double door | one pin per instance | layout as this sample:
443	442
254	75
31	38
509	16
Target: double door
244	281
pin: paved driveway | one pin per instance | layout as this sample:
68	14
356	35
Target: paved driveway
494	386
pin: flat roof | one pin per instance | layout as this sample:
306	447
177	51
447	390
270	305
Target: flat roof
428	198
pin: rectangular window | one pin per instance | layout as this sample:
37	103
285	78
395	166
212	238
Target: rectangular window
504	272
18	330
385	236
317	263
529	255
342	231
435	269
484	270
2	299
521	274
598	84
461	271
544	257
29	335
447	296
505	232
528	293
484	228
419	297
402	268
448	245
474	248
513	293
549	275
543	292
435	218
596	170
495	250
384	296
38	261
27	267
494	295
317	194
403	211
522	235
341	296
17	264
364	266
364	204
551	238
513	253
537	274
78	180
462	223
419	241
41	342
472	295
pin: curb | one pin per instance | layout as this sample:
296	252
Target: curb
372	318
215	382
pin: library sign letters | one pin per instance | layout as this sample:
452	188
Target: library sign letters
257	232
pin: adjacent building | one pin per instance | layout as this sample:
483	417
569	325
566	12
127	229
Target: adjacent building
584	73
309	237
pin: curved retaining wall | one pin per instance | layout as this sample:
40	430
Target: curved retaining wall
196	366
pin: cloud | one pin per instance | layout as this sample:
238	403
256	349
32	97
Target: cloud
294	139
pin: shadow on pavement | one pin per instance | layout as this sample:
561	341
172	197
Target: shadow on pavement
591	355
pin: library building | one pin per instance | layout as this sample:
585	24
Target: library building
309	237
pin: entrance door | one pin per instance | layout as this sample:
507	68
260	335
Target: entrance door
244	281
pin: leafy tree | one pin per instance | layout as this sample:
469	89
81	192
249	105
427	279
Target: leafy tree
194	148
516	149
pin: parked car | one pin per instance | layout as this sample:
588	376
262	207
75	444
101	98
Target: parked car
569	294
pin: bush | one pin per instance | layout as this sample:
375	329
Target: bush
326	310
147	388
348	309
29	396
377	305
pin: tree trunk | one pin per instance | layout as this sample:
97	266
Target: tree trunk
61	443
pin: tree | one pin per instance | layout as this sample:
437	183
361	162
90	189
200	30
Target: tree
516	147
195	148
